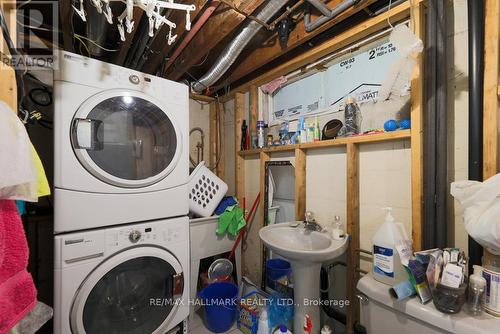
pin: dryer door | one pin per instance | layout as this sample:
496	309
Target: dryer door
126	138
135	291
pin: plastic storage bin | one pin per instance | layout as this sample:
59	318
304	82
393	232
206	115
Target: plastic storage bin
277	268
449	300
220	302
206	190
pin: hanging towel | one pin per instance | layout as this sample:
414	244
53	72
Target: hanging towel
17	291
43	188
23	176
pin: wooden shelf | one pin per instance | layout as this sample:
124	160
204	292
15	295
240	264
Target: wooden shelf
369	138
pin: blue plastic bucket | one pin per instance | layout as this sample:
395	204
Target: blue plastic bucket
219	303
277	268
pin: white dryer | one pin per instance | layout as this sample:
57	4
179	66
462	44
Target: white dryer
121	145
129	279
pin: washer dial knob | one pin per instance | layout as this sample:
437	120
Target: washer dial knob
134	236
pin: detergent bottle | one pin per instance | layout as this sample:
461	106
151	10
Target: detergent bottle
387	267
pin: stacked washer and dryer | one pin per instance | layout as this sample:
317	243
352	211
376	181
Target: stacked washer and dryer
121	204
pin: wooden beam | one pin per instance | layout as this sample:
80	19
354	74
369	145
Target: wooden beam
417	101
338	42
300	184
264	157
254	110
239	116
159	47
353	231
222	23
212	134
491	73
121	56
8	86
201	98
271	49
220	140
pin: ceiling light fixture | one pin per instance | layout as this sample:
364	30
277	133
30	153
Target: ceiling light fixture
152	8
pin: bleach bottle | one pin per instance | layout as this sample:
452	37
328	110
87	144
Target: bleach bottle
387	267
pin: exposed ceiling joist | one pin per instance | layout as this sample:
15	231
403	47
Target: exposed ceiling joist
272	50
342	40
159	47
125	48
222	22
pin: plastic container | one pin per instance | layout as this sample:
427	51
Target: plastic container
277	268
282	330
449	300
263	327
260	134
491	272
326	330
477	286
387	267
206	190
250	311
220	302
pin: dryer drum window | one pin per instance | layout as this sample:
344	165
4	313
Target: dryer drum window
126	299
127	137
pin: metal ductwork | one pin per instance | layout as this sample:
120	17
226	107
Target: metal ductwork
234	49
327	13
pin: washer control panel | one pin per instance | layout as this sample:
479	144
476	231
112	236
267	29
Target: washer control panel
145	234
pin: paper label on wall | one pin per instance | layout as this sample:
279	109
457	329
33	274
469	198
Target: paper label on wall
383	261
360	75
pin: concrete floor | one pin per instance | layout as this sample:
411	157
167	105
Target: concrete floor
196	325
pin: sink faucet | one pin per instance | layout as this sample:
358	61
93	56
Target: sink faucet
310	223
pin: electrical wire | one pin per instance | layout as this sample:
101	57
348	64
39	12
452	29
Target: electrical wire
95	43
388	16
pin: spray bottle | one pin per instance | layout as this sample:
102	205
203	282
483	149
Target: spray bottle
477	287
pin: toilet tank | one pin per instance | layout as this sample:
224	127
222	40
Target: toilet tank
381	314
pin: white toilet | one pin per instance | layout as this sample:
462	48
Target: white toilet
381	314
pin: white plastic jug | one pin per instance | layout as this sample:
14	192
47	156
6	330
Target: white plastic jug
387	267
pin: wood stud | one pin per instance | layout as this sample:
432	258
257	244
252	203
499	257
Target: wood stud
491	89
417	163
353	230
300	183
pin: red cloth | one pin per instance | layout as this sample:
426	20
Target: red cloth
17	291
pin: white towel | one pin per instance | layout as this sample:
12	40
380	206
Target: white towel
18	177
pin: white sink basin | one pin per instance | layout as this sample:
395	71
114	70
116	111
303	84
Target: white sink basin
297	243
305	250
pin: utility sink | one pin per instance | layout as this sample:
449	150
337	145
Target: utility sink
306	250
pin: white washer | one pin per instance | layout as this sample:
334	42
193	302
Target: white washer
121	145
128	279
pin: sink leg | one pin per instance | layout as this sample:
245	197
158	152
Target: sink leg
306	294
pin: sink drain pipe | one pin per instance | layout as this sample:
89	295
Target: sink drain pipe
330	310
